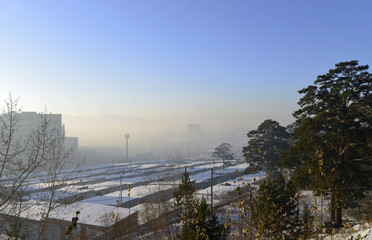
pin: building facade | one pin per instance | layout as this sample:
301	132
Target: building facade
29	123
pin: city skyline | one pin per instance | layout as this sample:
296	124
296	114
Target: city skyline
145	67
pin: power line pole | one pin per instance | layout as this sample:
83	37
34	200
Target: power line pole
121	191
128	187
126	138
212	188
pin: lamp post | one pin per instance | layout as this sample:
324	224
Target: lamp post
126	153
160	180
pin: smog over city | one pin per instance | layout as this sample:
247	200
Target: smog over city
126	119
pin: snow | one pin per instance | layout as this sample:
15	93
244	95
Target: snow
135	192
356	232
231	185
96	210
90	213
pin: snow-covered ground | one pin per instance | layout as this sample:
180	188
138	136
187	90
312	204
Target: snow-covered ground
230	185
98	188
357	232
107	176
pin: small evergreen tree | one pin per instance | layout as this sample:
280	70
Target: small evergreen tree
275	210
307	222
205	224
197	220
184	200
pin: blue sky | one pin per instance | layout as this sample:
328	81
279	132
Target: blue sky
163	64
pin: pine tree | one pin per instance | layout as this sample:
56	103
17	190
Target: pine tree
332	152
223	151
205	224
307	222
275	209
184	200
197	220
265	144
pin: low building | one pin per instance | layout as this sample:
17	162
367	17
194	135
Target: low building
95	221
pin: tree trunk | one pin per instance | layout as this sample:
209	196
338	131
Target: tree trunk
332	208
338	221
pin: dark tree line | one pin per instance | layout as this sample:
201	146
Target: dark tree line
331	138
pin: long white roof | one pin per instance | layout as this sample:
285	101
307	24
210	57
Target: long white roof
90	213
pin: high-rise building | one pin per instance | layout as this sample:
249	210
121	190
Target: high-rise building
194	131
29	122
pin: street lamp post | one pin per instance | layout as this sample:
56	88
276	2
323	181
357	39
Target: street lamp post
126	153
160	180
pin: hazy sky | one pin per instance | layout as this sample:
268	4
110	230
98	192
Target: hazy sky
139	66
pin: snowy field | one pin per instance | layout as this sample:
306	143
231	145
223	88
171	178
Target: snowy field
98	189
101	183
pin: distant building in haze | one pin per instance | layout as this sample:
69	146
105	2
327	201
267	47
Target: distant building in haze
195	142
194	132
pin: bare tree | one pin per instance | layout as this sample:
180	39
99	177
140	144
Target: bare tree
53	174
159	216
33	170
16	166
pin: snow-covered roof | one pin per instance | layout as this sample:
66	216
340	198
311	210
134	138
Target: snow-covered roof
90	213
